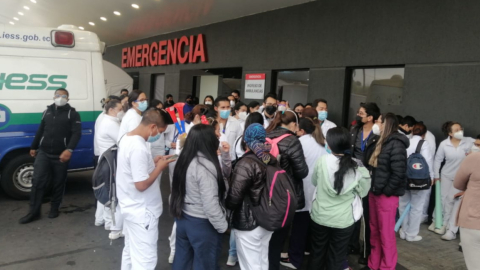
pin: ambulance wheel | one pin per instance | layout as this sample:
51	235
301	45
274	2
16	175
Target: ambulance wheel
17	177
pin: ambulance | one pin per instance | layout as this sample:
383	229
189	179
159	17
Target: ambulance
34	62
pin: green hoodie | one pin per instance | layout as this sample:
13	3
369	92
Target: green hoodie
329	208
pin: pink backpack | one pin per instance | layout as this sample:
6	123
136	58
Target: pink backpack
274	143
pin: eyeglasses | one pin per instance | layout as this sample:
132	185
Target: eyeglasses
62	96
141	100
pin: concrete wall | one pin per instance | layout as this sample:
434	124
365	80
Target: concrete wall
437	41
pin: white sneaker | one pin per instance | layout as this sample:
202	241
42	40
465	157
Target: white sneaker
448	236
402	234
414	239
287	264
232	261
113	235
99	223
432	227
441	231
107	228
171	257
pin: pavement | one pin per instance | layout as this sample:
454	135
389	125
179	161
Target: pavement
72	241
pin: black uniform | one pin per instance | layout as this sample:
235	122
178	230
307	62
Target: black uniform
60	130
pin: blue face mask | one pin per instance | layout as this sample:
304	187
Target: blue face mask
224	114
327	148
322	115
155	138
142	105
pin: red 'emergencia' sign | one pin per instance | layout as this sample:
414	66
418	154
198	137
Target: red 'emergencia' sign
166	52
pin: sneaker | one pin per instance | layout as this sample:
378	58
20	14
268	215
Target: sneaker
113	235
432	227
363	260
29	218
441	231
171	257
414	239
402	234
232	260
288	264
107	228
449	235
99	223
53	213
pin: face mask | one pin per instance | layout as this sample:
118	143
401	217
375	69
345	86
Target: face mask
282	108
232	103
270	110
458	135
358	119
208	103
120	115
475	149
142	105
224	114
322	115
154	138
242	115
376	129
60	101
327	148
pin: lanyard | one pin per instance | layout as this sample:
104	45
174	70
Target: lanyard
175	136
225	127
364	142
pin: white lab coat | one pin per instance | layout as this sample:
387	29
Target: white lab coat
266	120
232	131
433	146
96	150
411	223
326	125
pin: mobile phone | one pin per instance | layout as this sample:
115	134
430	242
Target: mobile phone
173	157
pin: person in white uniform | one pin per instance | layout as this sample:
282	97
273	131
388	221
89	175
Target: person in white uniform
138	191
106	136
228	126
137	102
430	138
321	106
416	198
270	108
453	150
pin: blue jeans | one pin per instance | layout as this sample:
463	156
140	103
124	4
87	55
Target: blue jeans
233	244
198	244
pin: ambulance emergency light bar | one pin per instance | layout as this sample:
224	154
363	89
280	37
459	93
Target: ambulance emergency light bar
61	38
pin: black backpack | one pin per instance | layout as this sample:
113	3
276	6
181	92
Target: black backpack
418	173
278	200
103	180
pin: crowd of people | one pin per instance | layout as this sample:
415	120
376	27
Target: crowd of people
349	186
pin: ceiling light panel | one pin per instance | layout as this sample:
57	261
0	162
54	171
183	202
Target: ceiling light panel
33	1
81	28
12	23
135	6
91	23
20	13
15	18
103	19
26	7
117	13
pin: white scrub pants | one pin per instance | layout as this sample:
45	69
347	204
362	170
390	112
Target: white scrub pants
471	247
140	251
105	214
448	192
411	223
252	248
426	205
172	238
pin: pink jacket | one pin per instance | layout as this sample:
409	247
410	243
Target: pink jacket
468	179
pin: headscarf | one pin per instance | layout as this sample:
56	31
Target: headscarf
254	137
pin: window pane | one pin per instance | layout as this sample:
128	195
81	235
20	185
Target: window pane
293	86
383	86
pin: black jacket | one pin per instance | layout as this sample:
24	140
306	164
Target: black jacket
248	181
292	160
389	177
369	148
60	129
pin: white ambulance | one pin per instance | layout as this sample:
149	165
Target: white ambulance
34	62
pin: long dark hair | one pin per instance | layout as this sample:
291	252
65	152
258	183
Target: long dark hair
201	139
252	118
133	97
312	114
280	118
338	140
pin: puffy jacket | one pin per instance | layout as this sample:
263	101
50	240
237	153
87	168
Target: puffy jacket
292	160
60	129
248	181
369	148
389	177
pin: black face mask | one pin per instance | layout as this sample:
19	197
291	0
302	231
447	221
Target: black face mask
404	131
270	110
190	102
359	120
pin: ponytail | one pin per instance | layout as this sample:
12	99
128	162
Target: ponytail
313	129
346	163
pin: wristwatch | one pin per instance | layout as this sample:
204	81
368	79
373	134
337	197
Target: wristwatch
70	150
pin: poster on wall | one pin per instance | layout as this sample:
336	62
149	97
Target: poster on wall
255	86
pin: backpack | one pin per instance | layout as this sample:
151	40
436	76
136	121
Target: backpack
278	200
103	180
418	173
274	142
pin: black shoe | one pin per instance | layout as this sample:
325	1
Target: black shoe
362	260
29	218
53	213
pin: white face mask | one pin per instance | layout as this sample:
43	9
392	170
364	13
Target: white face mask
376	129
208	103
458	135
242	115
120	115
60	101
475	149
232	103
